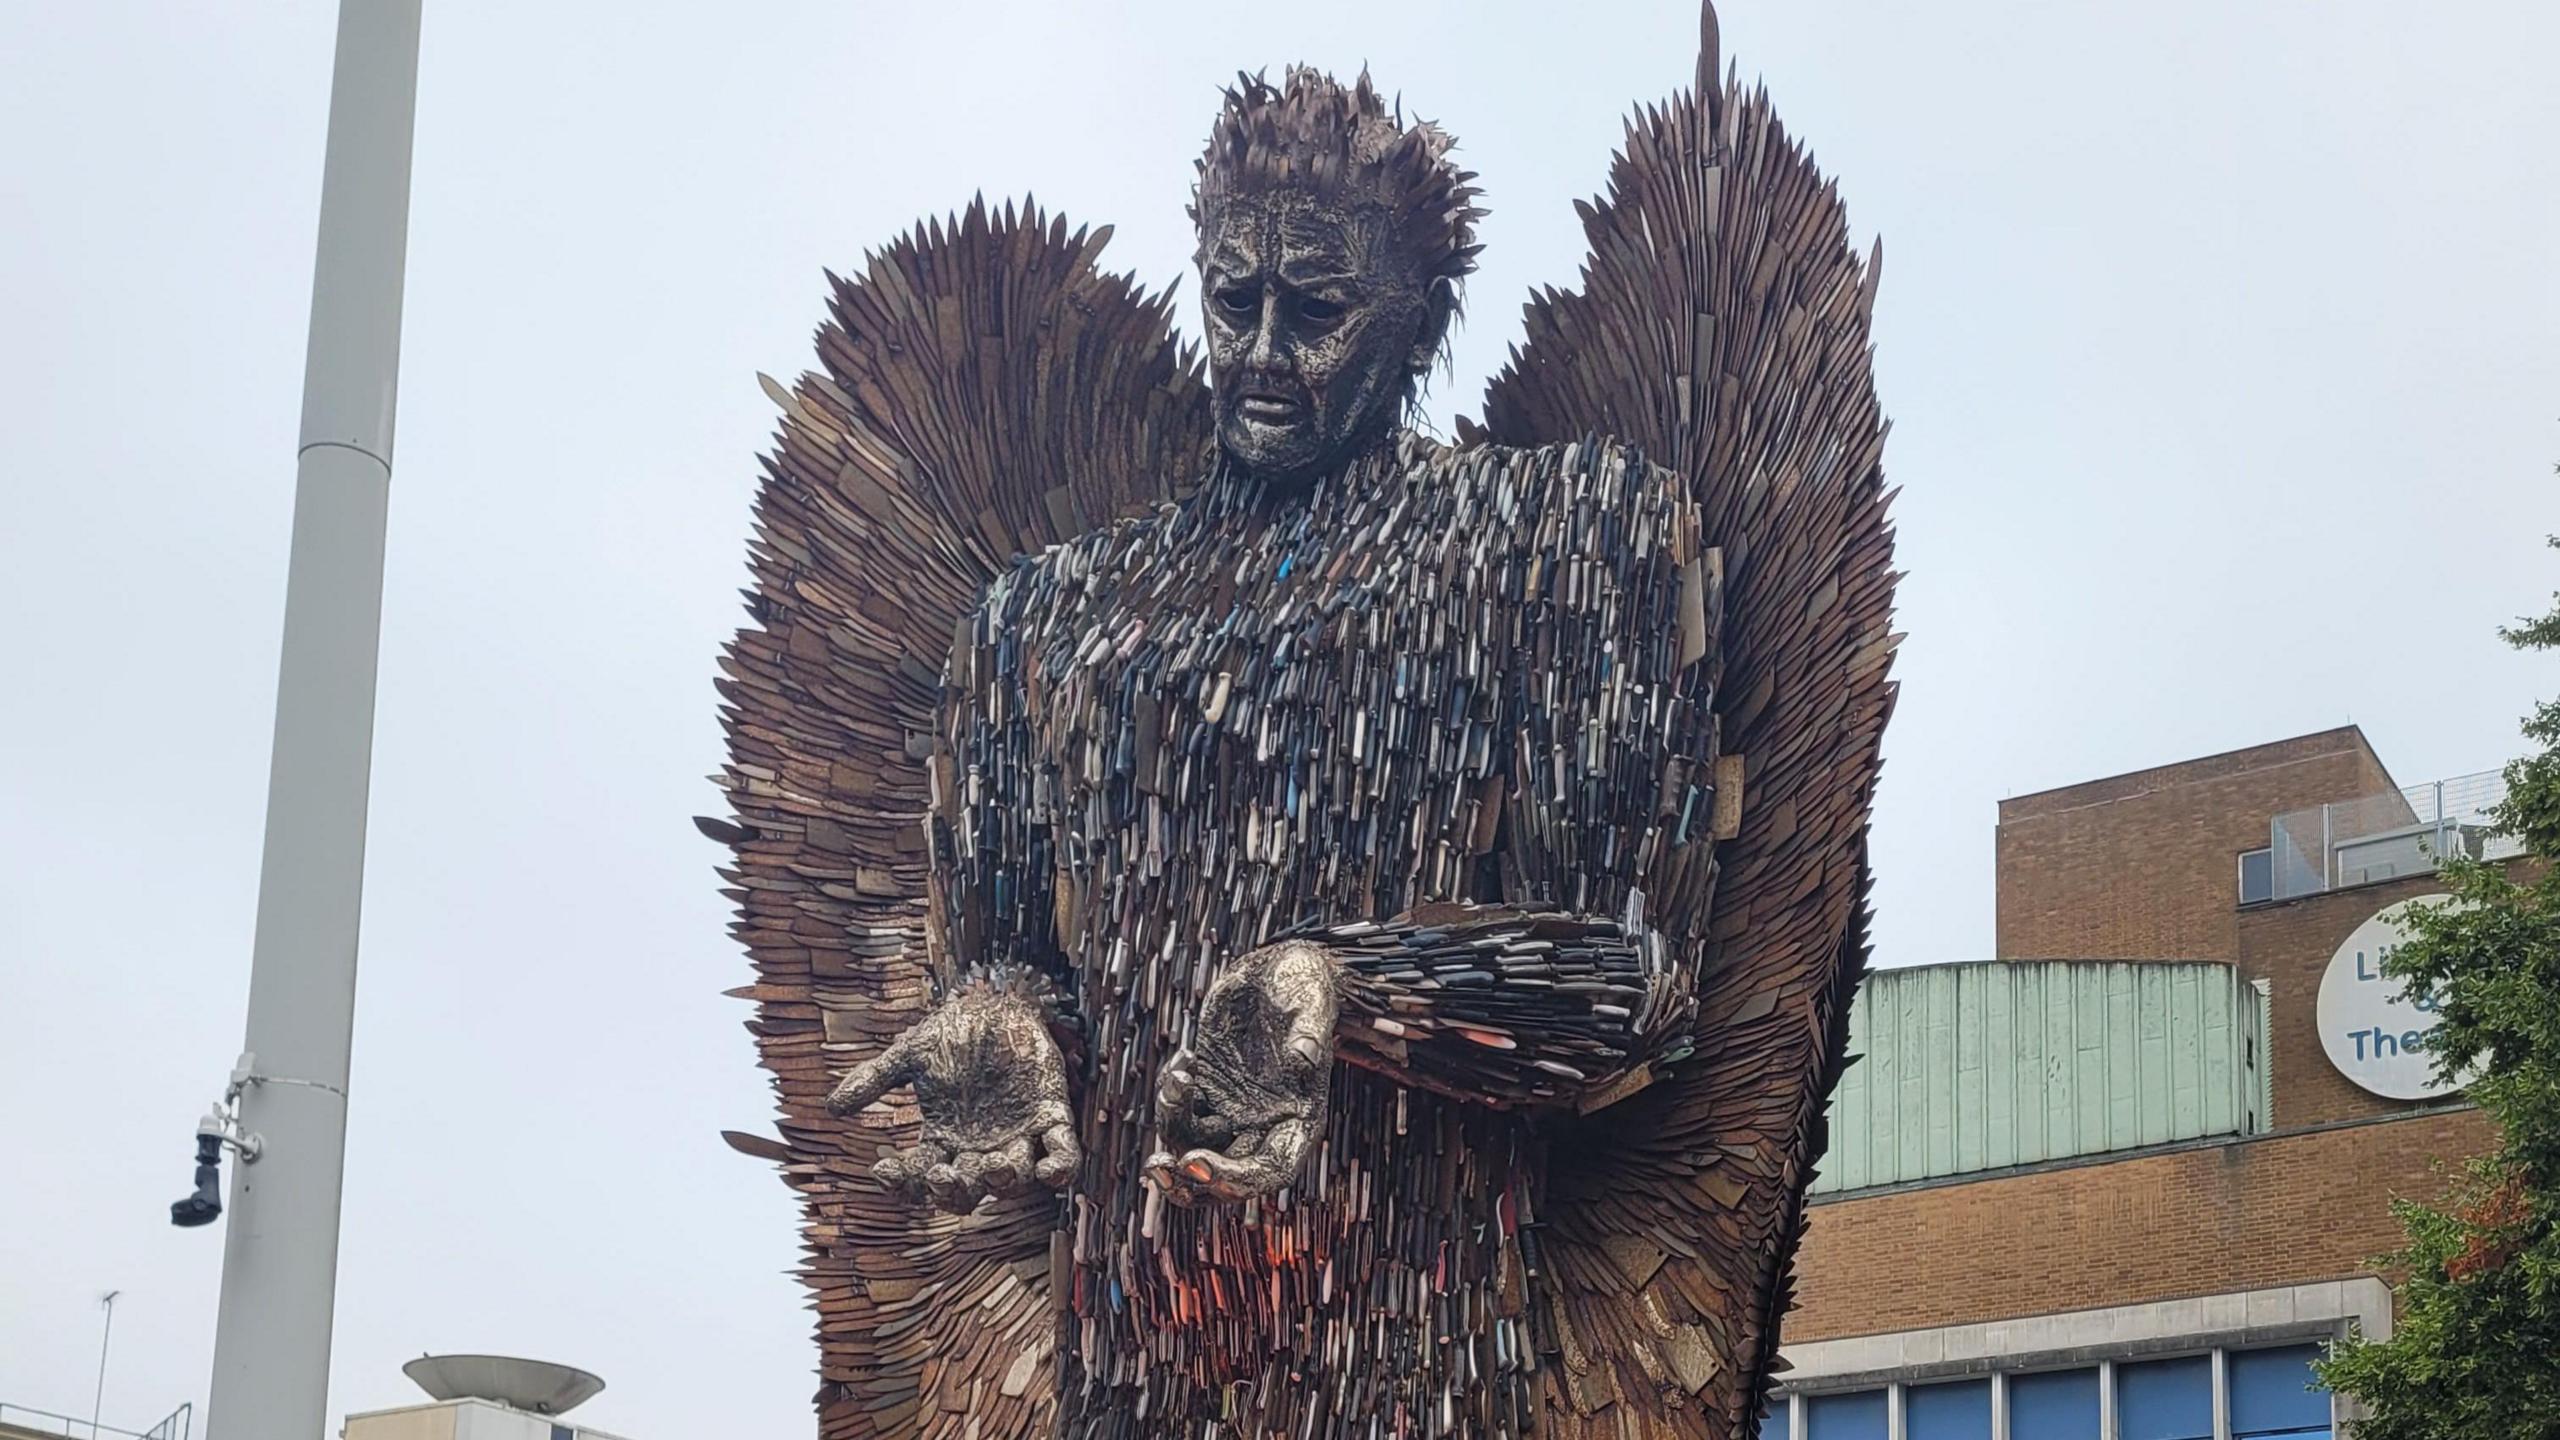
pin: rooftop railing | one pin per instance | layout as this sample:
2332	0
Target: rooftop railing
179	1425
2383	837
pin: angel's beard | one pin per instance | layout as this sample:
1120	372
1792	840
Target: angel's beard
1293	455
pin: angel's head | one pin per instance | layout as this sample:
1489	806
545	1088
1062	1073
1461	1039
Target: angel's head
1333	241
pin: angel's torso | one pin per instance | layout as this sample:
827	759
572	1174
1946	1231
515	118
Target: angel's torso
1203	728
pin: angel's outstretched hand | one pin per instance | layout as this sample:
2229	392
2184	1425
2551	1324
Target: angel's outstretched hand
1240	1108
993	1088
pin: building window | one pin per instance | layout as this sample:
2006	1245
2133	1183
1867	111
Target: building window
1858	1415
2273	1392
2054	1405
2165	1399
2257	875
1956	1410
2267	1394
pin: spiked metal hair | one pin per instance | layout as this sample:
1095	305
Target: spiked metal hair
1347	144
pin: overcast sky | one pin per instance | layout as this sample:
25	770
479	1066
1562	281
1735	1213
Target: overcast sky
2221	337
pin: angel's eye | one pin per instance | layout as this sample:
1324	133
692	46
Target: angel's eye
1319	312
1237	300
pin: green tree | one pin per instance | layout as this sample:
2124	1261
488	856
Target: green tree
2476	1351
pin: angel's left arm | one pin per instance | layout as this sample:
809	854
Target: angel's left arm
1504	1005
1571	989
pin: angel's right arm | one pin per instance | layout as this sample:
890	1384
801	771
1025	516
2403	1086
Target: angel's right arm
986	1060
993	860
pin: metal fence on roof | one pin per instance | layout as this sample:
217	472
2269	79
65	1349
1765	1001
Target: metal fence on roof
2385	836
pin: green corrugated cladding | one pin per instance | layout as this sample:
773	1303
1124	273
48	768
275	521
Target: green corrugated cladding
1985	1065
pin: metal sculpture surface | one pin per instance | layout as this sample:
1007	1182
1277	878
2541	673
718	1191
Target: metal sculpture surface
1304	870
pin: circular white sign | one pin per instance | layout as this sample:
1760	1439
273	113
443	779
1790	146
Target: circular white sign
2370	1029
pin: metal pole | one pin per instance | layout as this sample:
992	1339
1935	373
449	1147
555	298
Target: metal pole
2328	854
106	1332
280	1258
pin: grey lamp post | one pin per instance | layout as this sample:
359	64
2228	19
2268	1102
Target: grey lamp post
280	1257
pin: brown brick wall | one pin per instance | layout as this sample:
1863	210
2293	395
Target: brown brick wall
2274	1210
2143	866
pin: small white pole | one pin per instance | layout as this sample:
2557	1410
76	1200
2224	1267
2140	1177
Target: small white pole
280	1257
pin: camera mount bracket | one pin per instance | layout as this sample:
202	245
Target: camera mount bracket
222	1122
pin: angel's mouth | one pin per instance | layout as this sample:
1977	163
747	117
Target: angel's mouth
1269	409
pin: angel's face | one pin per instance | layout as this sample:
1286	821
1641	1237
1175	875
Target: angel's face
1317	325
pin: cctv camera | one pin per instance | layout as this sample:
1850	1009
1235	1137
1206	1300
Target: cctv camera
204	1206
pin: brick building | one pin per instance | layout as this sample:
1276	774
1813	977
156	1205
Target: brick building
2123	1180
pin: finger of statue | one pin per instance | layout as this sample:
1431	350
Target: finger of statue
1063	1156
874	1078
943	1185
1180	1180
1228	1177
1012	1166
1178	1086
905	1169
1310	1052
999	1171
927	1153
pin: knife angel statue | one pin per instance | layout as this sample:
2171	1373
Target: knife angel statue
1269	924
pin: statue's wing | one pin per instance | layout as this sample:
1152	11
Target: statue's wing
982	391
1721	325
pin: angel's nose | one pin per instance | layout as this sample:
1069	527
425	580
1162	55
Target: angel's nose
1267	356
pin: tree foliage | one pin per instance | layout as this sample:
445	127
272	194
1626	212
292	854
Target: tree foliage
2476	1349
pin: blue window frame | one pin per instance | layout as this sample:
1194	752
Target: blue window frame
2269	1394
2054	1405
1859	1415
2273	1392
1957	1410
2165	1399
